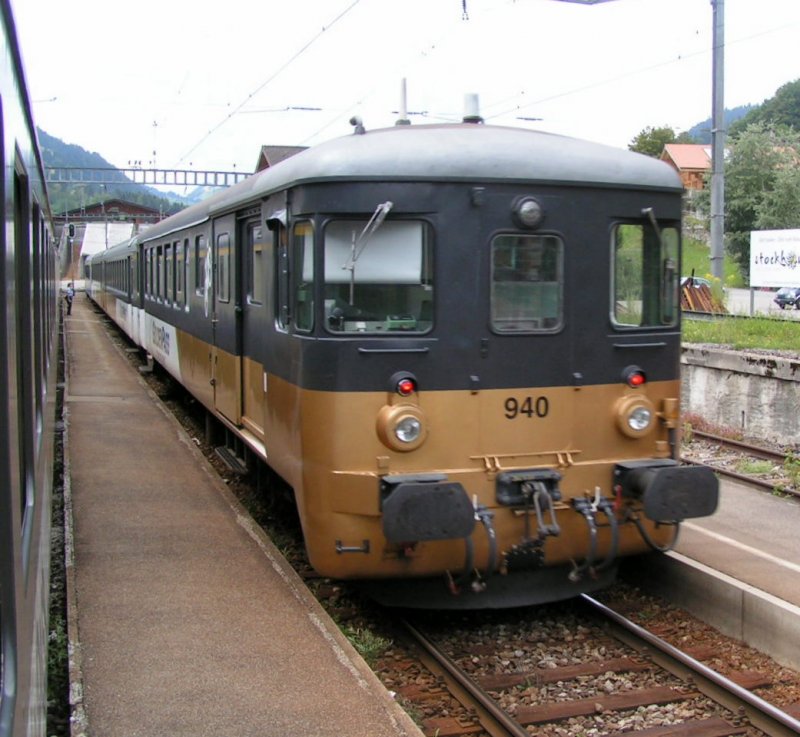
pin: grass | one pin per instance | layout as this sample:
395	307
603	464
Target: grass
369	645
750	466
791	467
758	333
696	257
752	334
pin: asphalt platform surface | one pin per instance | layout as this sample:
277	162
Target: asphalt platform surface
184	618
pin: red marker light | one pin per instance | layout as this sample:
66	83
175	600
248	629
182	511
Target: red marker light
636	379
406	387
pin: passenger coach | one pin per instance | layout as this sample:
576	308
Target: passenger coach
459	344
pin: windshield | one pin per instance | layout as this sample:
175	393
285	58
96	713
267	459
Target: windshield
381	283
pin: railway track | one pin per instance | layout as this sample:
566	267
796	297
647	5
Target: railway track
726	455
756	451
661	674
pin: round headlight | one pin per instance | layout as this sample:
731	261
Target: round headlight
408	430
639	419
401	427
635	415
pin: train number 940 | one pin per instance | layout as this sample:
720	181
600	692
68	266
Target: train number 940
529	407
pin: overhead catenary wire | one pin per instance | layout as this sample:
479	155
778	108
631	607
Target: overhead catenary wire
269	79
625	75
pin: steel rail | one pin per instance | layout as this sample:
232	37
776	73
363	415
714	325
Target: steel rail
750	480
493	719
754	450
762	715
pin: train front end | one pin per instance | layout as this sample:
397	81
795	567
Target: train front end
492	411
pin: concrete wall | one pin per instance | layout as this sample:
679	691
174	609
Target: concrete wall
756	393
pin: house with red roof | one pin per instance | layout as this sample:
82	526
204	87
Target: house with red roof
692	161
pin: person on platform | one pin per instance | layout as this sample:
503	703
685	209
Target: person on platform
69	296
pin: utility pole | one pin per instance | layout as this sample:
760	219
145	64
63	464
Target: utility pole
718	143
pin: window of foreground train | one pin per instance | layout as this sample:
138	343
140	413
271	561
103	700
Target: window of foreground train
645	276
378	278
527	283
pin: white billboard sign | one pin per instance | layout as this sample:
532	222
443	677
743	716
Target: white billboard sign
775	258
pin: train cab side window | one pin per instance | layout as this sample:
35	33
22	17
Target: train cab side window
378	278
645	275
303	275
256	246
527	284
282	310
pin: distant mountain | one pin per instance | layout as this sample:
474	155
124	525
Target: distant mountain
783	108
56	153
701	133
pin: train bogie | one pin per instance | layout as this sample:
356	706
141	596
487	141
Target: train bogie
458	344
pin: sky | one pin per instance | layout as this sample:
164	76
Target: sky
197	85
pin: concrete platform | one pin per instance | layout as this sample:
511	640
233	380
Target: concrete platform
739	570
184	618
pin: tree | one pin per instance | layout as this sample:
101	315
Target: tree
762	186
651	141
781	110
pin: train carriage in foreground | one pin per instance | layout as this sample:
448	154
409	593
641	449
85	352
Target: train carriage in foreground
459	344
28	332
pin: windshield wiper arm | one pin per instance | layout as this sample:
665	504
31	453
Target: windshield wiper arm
360	243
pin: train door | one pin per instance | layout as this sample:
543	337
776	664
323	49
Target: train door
255	250
226	321
528	343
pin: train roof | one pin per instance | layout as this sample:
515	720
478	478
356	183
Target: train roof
457	152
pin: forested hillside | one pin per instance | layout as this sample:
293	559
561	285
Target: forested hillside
70	196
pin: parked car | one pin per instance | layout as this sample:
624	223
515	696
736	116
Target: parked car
788	297
695	281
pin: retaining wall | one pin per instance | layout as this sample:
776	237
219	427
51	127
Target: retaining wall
756	393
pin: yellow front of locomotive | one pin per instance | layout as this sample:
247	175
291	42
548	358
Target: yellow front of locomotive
474	485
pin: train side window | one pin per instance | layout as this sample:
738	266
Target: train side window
181	267
256	247
282	309
169	273
223	267
378	278
303	275
644	275
159	272
527	283
38	316
23	355
135	277
148	272
199	265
